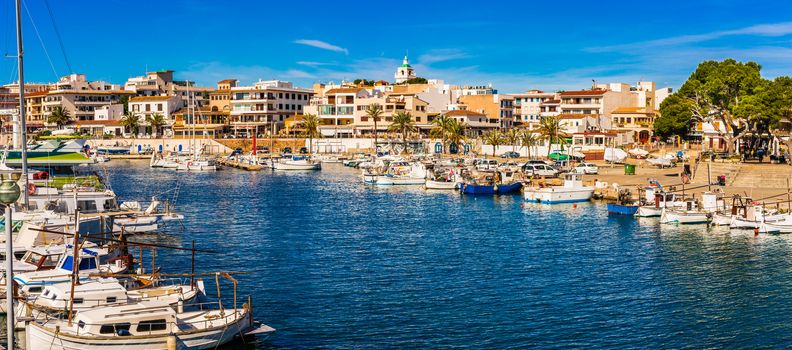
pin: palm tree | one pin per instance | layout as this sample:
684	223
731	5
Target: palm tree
131	122
528	139
311	126
403	123
456	132
59	116
374	111
494	138
549	127
512	137
157	121
440	127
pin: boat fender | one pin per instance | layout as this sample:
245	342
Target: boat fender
31	189
495	188
171	342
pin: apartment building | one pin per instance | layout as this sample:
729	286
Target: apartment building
498	108
528	106
391	104
638	120
79	97
265	105
209	121
161	83
477	123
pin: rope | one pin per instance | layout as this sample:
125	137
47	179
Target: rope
57	34
38	35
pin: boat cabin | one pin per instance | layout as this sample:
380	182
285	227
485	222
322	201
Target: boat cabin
144	318
92	260
63	202
88	294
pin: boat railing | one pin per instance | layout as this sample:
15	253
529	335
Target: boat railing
224	318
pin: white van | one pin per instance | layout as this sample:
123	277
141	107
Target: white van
532	169
486	164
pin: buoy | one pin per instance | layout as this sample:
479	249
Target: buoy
756	232
171	342
31	189
574	206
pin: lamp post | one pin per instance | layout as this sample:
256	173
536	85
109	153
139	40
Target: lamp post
9	193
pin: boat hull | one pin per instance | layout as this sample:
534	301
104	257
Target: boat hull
398	181
441	185
649	212
295	166
556	195
685	218
40	337
618	209
490	190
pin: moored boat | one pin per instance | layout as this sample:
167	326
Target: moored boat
296	163
572	191
686	217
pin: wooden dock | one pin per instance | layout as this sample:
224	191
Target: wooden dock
235	164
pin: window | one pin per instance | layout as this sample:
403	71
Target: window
159	107
111	300
78	300
148	107
151	325
118	328
280	95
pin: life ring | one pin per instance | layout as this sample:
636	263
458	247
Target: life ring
31	189
189	163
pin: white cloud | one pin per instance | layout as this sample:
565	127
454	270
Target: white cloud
768	30
314	64
322	45
442	55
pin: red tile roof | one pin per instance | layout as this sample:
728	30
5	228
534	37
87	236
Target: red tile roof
584	92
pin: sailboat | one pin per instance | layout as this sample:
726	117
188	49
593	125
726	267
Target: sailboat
195	162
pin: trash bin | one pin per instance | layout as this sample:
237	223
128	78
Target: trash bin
722	180
629	169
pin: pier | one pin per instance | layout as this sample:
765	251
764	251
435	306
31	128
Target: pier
239	165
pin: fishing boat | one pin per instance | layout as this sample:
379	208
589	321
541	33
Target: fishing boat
91	260
782	226
499	182
624	204
572	191
403	173
682	216
143	325
655	199
296	163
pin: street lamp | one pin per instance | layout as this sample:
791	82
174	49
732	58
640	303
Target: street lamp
9	193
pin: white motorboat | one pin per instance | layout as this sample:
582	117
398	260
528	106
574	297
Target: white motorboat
442	185
781	226
403	173
296	163
197	165
144	325
572	191
687	217
657	200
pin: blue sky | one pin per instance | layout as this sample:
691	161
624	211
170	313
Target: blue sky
515	45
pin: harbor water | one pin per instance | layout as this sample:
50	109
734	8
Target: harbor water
336	264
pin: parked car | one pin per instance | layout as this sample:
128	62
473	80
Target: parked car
486	164
303	150
262	149
545	170
510	154
536	161
586	168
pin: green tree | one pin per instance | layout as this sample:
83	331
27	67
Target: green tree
676	117
718	92
403	123
456	132
439	130
494	138
416	80
512	137
157	121
374	111
131	123
124	100
311	126
59	116
548	128
528	139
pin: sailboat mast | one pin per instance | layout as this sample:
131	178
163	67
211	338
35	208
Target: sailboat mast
22	127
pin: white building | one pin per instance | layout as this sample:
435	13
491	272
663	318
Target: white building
265	105
404	72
